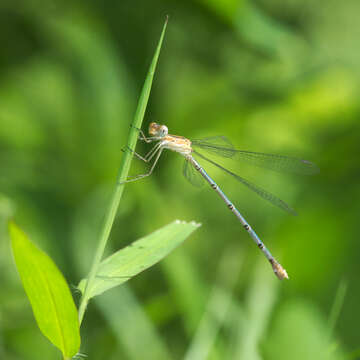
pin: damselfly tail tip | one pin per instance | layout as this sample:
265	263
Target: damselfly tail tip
279	271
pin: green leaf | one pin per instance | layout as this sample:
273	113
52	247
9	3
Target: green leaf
225	8
123	173
48	292
138	256
131	322
301	341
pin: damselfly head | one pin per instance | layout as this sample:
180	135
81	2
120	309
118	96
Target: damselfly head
158	130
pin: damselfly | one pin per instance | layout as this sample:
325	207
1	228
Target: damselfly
220	145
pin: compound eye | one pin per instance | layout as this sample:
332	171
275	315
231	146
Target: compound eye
164	130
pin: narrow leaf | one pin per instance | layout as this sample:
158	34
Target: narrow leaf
123	173
131	322
140	255
48	293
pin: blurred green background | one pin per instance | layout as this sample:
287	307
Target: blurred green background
278	76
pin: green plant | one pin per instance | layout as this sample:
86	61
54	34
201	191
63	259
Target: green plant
45	286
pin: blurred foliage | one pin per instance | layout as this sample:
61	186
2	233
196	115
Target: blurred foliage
274	76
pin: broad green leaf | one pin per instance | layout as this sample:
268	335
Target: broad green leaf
48	292
138	256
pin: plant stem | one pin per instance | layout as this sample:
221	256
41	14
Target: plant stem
123	173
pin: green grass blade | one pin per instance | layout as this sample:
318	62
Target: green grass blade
187	288
123	173
337	305
48	293
140	110
298	332
138	256
261	299
218	305
129	323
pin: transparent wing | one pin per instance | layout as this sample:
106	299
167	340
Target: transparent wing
193	176
278	162
218	145
273	162
258	190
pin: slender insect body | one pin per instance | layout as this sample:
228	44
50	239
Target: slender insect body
279	271
221	146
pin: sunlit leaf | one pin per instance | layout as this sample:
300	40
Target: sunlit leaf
48	293
138	256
